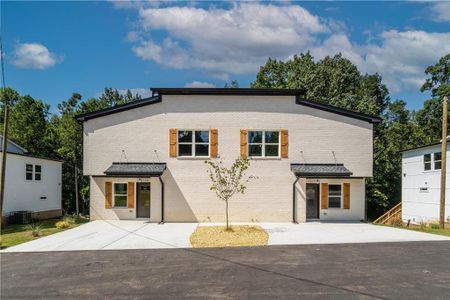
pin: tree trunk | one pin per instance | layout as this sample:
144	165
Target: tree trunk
226	214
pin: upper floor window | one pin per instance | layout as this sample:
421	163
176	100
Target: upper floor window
37	172
334	195
263	143
437	157
432	161
29	172
193	143
120	195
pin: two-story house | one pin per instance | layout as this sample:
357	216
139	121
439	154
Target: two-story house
145	159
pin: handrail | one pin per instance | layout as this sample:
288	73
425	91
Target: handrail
394	210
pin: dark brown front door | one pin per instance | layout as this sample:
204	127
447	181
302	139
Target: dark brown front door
312	201
143	200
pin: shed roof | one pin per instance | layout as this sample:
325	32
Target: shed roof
320	170
136	169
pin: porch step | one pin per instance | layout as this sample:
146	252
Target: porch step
395	211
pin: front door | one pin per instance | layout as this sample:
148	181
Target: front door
143	200
312	201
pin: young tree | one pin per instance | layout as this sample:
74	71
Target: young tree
226	182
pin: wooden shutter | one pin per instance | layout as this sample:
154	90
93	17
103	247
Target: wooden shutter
346	195
173	143
243	143
324	195
284	143
108	194
214	143
130	195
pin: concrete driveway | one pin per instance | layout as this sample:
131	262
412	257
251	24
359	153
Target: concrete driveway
115	235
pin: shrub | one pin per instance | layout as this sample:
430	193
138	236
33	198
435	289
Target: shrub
69	219
434	226
35	229
62	224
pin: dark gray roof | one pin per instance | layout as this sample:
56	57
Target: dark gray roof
320	170
136	169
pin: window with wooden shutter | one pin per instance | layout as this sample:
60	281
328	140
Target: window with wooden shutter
324	195
214	143
284	143
173	142
243	143
108	194
346	195
130	195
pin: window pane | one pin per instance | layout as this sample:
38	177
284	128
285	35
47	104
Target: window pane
120	200
29	176
201	150
437	165
427	166
37	168
334	202
202	136
120	188
185	136
437	156
334	189
185	150
271	136
37	176
272	150
427	157
255	150
29	168
255	136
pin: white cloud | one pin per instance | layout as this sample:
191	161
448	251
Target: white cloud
199	84
34	56
239	40
440	11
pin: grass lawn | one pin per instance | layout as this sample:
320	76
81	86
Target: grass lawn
426	229
217	236
12	235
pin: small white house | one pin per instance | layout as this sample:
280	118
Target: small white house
32	183
421	184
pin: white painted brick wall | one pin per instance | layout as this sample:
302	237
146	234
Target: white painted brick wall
142	131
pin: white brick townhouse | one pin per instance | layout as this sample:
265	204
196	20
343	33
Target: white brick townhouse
145	159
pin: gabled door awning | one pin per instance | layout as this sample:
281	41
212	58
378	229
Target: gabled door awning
320	170
134	169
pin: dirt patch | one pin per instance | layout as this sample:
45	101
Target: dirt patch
238	236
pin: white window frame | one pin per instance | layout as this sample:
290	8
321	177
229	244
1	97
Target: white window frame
36	172
341	196
114	194
26	172
194	143
263	143
435	161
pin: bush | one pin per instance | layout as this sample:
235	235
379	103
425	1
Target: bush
35	229
62	224
69	219
434	226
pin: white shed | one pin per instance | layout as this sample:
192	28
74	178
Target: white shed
32	183
421	180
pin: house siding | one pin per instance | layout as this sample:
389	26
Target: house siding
422	205
142	135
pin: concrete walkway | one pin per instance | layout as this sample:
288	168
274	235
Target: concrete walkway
109	235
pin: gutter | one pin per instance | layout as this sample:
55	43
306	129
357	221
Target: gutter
294	203
162	200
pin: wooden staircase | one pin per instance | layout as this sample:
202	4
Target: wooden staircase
395	211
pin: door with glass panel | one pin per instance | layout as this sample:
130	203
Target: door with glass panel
143	200
312	201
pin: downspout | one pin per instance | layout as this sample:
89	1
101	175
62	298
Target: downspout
162	200
294	203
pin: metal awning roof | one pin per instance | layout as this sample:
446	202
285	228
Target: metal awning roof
320	170
136	169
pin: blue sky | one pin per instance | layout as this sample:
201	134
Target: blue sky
53	49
